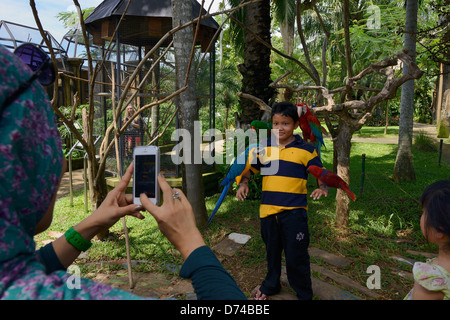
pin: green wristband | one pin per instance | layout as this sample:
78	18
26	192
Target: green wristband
75	239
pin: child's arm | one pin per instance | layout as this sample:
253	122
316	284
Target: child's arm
242	192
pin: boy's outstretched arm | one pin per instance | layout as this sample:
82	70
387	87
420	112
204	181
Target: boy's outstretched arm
242	192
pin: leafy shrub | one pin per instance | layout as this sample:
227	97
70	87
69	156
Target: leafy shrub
423	142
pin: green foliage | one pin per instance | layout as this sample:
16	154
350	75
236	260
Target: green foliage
423	142
443	130
70	18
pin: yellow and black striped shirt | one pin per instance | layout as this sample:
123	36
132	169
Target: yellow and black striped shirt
284	175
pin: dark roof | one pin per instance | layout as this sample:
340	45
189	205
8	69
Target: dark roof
134	30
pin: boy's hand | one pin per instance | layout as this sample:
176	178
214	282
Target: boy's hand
318	193
242	192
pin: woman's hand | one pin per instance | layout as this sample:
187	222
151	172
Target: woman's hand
116	205
175	219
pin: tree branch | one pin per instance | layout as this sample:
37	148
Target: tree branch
262	105
387	92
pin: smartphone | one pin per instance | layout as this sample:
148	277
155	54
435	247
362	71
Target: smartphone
146	170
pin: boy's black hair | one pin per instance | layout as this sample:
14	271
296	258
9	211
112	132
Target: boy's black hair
285	108
435	201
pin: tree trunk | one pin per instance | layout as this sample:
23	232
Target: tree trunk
97	192
404	167
287	35
256	67
188	111
342	146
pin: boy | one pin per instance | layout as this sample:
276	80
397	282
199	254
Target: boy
284	224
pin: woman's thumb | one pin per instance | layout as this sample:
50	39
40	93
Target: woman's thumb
132	210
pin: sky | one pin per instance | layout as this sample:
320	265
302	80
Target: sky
19	11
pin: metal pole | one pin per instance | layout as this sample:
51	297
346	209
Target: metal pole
70	164
440	151
85	182
118	81
363	173
70	171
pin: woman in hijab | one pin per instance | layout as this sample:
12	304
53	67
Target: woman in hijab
31	166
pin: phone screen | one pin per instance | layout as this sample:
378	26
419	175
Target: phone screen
145	167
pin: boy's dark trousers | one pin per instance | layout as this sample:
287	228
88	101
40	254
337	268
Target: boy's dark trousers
287	231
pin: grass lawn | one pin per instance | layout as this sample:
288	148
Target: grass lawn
377	132
385	212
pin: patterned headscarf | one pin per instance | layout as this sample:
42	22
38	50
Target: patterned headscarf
30	163
30	168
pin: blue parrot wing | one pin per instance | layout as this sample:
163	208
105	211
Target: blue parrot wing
317	132
238	165
235	170
219	202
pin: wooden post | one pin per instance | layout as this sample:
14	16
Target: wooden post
119	169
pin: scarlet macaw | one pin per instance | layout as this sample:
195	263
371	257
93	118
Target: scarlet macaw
311	127
331	179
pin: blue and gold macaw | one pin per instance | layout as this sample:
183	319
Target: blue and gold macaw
238	168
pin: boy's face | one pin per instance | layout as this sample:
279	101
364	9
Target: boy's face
283	128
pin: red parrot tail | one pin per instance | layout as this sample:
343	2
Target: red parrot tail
349	192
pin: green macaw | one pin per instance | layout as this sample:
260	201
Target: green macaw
261	125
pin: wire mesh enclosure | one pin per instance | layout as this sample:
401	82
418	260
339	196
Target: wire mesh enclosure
148	116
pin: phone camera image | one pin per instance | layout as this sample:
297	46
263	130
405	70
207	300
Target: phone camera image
145	175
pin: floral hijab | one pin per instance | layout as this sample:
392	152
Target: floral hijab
30	163
30	168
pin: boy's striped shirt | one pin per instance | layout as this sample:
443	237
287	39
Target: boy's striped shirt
285	188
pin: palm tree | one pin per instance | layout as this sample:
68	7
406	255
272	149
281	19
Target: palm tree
188	111
227	84
404	167
284	13
255	70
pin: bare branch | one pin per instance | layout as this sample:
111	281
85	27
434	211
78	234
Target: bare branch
76	103
107	149
48	43
262	105
159	135
326	94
